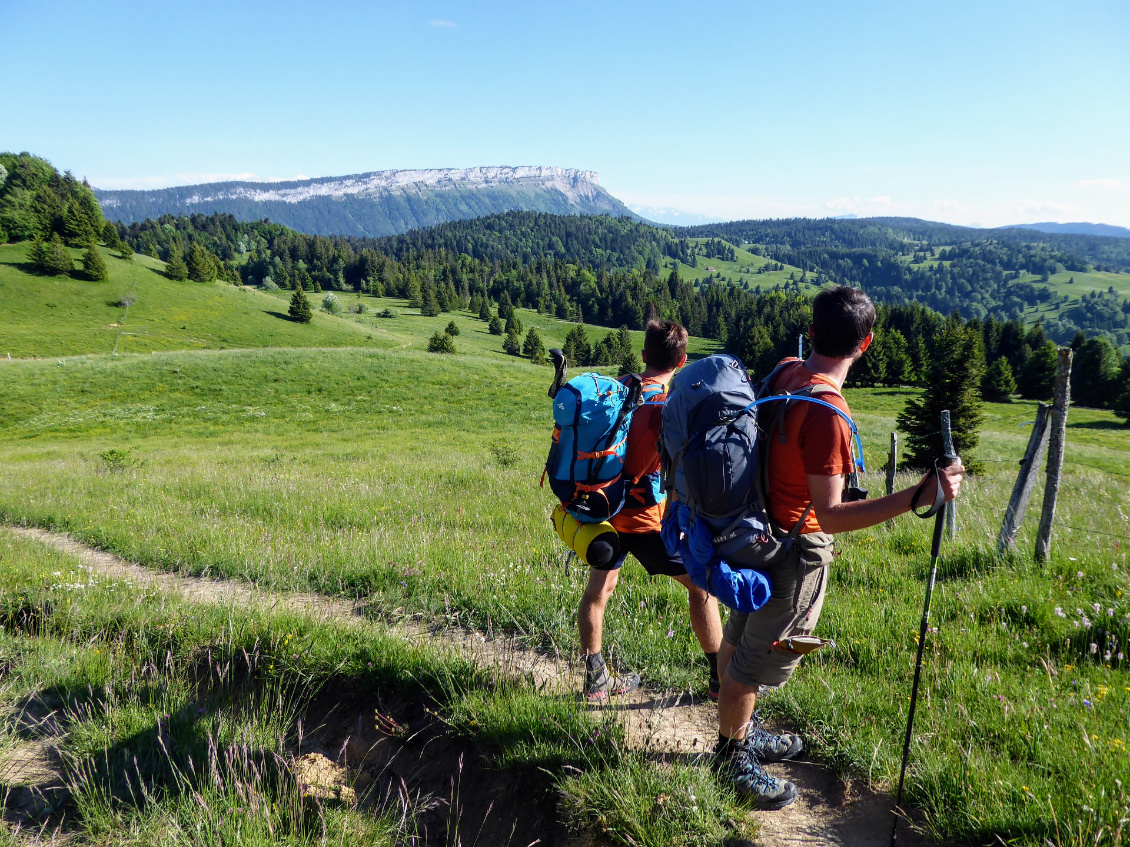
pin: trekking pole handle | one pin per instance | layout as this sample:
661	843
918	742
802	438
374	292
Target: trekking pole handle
560	369
939	520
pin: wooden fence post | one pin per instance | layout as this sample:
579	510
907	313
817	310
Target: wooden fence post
892	463
1025	481
1057	437
947	446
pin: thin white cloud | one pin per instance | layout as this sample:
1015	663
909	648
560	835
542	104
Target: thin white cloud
438	22
1101	184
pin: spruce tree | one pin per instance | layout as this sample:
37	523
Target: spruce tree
58	260
484	310
37	254
511	344
441	342
452	329
124	251
201	266
577	349
110	235
1094	373
954	383
495	326
630	364
512	323
175	268
1037	379
94	265
999	383
533	348
428	305
300	307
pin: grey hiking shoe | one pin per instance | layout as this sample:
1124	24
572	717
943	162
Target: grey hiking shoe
771	747
601	683
739	765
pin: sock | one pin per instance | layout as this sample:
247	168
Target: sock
725	744
712	658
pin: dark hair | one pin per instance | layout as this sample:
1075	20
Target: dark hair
665	343
841	318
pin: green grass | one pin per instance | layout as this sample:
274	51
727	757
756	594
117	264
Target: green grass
375	473
743	270
61	316
186	724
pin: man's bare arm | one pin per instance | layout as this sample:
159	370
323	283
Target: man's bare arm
837	516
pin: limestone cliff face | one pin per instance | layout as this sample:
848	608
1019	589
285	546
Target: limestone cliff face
379	202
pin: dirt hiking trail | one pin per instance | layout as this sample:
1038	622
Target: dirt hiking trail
828	813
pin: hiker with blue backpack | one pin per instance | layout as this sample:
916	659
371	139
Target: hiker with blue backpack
604	466
763	475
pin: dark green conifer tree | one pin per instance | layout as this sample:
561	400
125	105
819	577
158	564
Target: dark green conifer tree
300	310
441	342
37	254
59	261
94	265
533	348
630	364
175	268
1037	379
1094	373
484	310
201	265
495	326
999	383
577	350
452	329
110	235
953	383
512	344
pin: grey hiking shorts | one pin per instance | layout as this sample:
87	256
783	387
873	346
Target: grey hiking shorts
799	582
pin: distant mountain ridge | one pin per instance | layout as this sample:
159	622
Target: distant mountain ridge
1079	228
377	203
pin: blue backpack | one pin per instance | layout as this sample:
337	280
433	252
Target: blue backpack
713	457
592	414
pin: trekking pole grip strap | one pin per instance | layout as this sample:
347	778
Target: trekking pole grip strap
939	493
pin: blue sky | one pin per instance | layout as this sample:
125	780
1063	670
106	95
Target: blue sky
975	113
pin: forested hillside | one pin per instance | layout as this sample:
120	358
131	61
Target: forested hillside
441	270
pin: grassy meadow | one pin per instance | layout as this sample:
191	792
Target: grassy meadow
410	479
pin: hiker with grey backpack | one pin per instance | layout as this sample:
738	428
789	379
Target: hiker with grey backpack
762	476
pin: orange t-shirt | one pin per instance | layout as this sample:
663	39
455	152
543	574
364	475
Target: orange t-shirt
817	442
642	457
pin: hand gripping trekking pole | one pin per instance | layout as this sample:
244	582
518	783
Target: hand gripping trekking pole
560	371
939	521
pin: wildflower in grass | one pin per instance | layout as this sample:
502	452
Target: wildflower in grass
1097	607
1059	612
1110	613
1088	704
670	633
1086	621
1106	656
1094	648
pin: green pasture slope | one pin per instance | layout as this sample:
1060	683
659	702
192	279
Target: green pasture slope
65	316
743	270
411	479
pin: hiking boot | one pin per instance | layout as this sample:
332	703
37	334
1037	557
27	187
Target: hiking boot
739	765
601	683
769	746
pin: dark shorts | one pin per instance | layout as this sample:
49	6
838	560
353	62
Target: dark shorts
649	551
799	583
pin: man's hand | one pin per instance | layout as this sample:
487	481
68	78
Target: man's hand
835	515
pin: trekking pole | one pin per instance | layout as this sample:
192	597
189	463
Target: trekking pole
939	523
560	369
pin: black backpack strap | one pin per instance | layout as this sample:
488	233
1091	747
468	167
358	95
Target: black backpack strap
939	494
